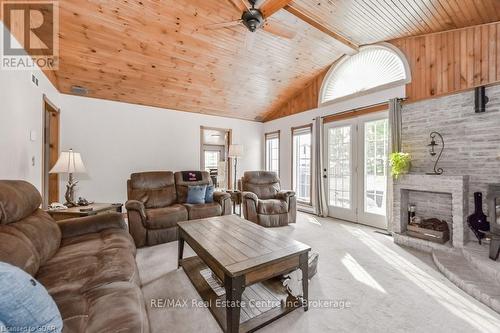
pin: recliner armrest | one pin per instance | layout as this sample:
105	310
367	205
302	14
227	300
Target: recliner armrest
285	195
91	224
250	196
137	206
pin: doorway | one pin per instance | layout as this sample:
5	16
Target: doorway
214	146
356	154
50	152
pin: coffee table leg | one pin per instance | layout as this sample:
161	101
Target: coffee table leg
180	251
304	266
234	289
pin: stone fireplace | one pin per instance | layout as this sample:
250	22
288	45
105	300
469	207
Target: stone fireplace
442	197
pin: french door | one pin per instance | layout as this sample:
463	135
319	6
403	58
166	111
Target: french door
356	152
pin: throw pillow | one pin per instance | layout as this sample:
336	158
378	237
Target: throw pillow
209	195
196	194
25	305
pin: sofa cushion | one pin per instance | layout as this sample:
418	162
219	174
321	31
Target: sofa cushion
182	186
87	271
202	211
154	189
94	243
115	307
196	194
209	194
166	217
272	206
30	242
18	199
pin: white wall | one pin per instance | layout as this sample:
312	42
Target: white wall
116	139
21	111
285	124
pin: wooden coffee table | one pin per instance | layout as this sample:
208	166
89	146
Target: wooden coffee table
243	255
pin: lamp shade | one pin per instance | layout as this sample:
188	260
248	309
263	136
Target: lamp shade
69	162
235	151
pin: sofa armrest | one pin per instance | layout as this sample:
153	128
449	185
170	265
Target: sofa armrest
221	196
223	199
137	206
91	224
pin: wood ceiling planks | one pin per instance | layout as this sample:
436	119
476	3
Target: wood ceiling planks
370	21
169	60
158	53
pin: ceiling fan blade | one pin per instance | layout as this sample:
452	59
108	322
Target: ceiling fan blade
241	5
250	40
279	30
222	25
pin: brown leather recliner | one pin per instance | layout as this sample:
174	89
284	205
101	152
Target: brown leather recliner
86	264
264	202
157	201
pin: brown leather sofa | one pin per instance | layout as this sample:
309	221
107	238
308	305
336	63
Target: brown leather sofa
264	202
157	201
86	264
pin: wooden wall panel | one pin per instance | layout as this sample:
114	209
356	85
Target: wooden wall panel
452	61
441	64
305	99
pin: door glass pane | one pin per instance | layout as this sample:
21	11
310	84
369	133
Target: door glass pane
375	160
211	159
302	165
339	167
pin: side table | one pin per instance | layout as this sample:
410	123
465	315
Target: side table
97	208
236	198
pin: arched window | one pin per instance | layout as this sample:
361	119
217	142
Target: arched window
374	67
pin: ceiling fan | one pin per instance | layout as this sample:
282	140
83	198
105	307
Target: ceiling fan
253	20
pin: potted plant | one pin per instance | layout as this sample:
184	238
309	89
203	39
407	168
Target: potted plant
400	164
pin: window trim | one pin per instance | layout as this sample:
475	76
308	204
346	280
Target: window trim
292	130
266	135
229	160
386	86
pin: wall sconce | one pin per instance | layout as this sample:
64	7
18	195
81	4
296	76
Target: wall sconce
432	151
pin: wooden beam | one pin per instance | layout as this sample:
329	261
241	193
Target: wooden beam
311	21
272	6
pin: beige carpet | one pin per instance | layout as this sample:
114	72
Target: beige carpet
387	288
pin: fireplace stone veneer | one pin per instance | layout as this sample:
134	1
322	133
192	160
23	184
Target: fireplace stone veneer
456	186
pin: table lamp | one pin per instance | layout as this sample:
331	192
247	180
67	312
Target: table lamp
69	162
235	151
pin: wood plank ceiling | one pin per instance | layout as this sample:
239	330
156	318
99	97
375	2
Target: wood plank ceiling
158	53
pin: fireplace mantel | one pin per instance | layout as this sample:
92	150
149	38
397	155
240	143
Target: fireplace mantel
457	186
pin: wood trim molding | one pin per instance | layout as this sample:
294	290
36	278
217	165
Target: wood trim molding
291	158
279	149
52	105
355	113
229	132
352	47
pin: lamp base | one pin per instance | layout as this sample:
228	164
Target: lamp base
70	192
